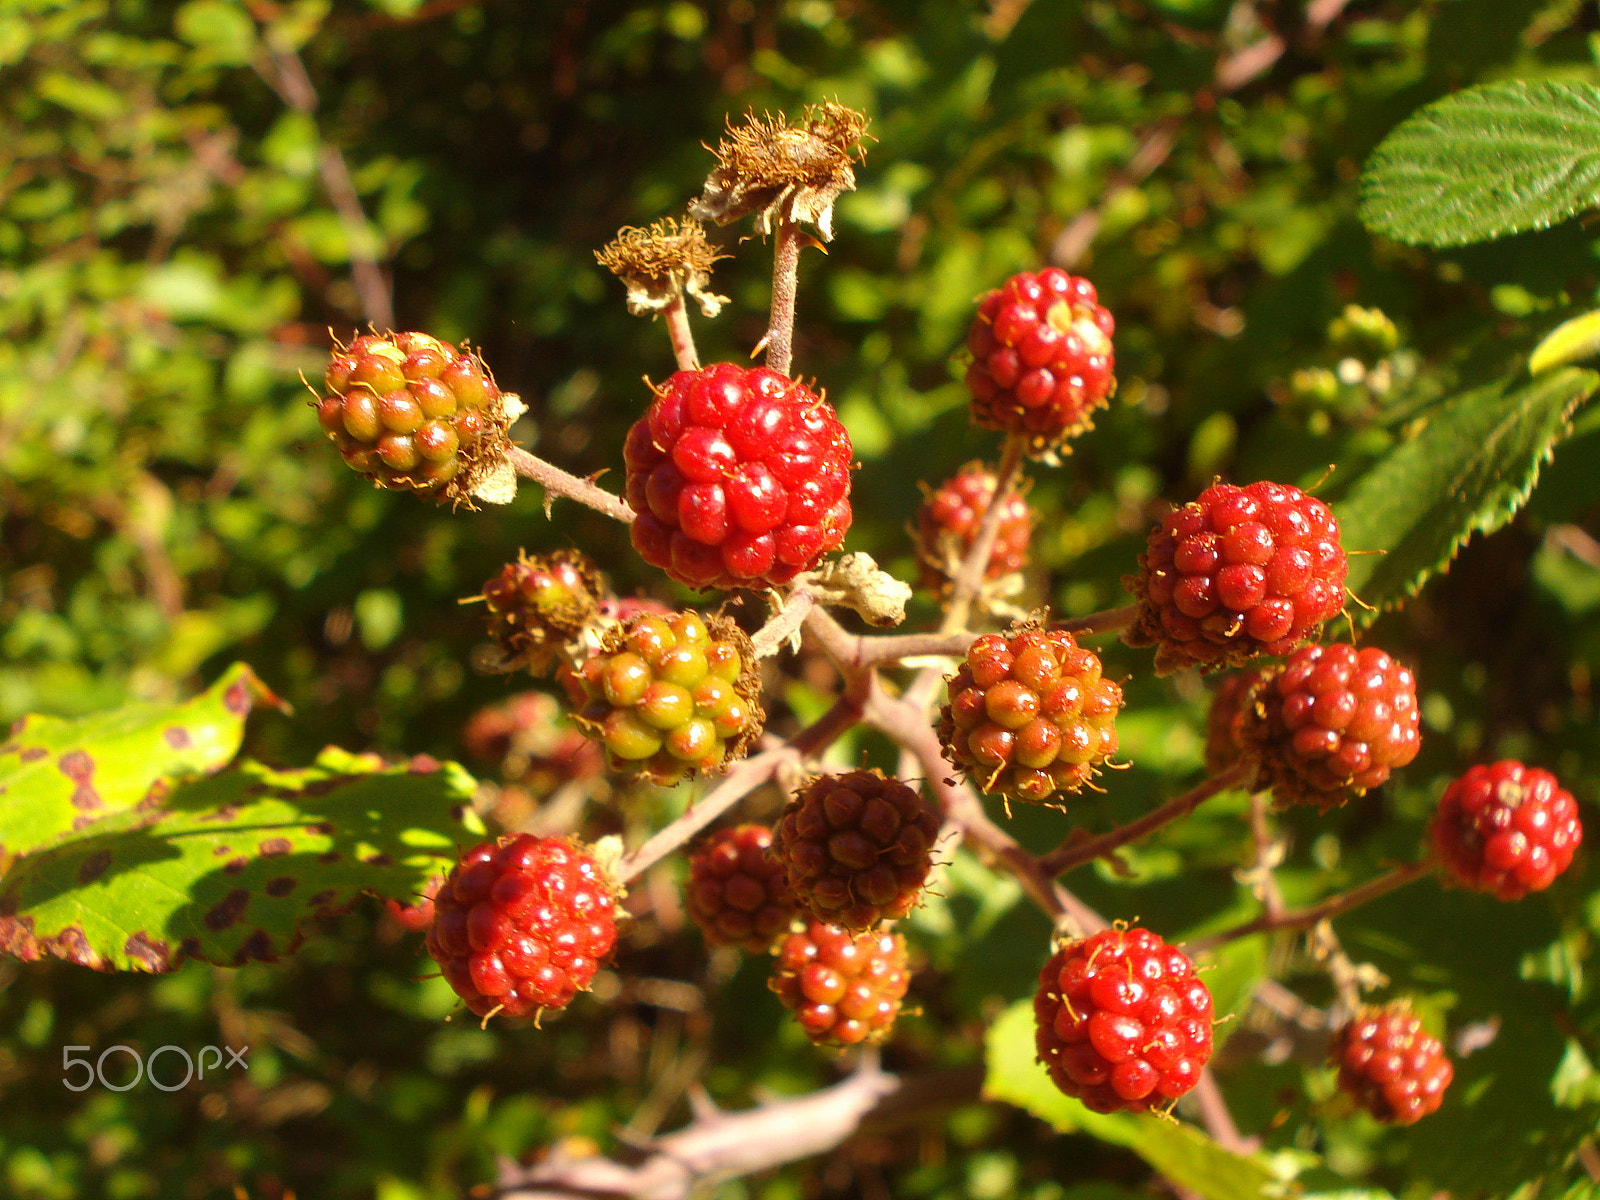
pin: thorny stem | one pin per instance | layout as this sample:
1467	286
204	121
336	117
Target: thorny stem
1111	620
969	576
1304	918
559	483
791	614
785	280
676	315
1075	853
740	781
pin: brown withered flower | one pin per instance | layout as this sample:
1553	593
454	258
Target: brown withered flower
662	263
780	172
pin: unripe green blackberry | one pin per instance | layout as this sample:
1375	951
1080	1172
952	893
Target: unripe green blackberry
671	696
412	413
845	988
857	847
536	605
1030	717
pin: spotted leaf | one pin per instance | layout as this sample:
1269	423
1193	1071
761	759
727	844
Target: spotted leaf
60	777
230	866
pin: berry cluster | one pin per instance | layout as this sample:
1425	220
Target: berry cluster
670	695
1123	1021
408	411
738	477
857	848
1041	357
738	894
1239	571
522	925
1029	715
844	988
1390	1066
1331	723
1506	829
948	521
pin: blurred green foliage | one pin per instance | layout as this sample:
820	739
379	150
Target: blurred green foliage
192	196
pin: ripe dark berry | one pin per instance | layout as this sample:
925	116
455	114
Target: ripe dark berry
857	848
410	412
1030	717
1506	829
1390	1066
1331	723
1235	573
1041	357
1123	1021
947	525
537	605
845	988
739	477
737	892
521	925
669	696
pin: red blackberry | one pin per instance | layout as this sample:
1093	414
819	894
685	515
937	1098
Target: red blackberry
416	915
1235	573
1030	717
1330	723
521	925
408	411
1227	703
1123	1021
537	605
737	892
844	988
739	477
1041	357
857	848
1506	829
668	696
1390	1066
947	525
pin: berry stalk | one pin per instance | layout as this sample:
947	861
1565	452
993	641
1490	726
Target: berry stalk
1072	853
676	316
557	482
1304	918
779	339
969	578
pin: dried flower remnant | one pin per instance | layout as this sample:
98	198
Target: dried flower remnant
660	264
784	173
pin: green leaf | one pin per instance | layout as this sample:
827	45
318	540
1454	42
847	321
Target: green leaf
1485	162
230	866
1468	470
1181	1153
1569	342
58	777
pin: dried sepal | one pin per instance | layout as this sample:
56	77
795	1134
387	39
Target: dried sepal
779	172
663	263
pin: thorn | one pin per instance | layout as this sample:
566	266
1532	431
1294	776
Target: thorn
761	345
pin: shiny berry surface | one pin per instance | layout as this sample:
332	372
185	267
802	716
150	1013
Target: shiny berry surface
844	988
739	477
1331	723
1042	360
1030	715
1238	571
1122	1021
857	848
521	925
948	521
738	893
1506	829
670	696
409	411
1390	1066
